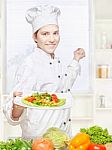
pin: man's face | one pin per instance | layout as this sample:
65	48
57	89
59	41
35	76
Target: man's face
47	38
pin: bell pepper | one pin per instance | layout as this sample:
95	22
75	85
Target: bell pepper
94	146
79	142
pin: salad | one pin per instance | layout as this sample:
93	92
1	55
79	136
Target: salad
43	99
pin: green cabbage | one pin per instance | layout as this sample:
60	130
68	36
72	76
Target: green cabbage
58	137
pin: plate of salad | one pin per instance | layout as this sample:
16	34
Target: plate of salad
45	100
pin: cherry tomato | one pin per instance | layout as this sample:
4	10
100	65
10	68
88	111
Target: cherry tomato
54	98
30	99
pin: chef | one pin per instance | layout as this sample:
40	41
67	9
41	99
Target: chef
42	71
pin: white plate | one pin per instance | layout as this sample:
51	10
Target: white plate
66	96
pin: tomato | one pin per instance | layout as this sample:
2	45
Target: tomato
54	95
42	144
94	146
54	98
30	99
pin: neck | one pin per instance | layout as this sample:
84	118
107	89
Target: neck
52	55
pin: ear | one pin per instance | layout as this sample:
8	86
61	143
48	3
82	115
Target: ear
34	37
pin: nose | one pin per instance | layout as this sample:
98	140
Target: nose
51	38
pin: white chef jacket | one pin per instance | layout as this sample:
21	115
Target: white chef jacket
40	72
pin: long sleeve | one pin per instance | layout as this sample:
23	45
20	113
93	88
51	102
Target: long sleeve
68	78
7	110
24	82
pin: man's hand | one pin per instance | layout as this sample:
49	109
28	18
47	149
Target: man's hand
17	110
79	54
16	93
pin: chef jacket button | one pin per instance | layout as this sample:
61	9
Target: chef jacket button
69	120
61	91
58	61
68	89
64	123
65	74
59	76
50	63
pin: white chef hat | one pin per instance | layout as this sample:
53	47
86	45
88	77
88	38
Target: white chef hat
42	15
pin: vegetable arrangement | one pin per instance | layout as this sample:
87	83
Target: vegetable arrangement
93	138
43	99
97	134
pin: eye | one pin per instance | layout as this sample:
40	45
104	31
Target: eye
56	33
44	33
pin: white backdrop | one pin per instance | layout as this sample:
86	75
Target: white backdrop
74	30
